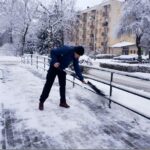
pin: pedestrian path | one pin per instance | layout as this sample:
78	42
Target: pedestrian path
88	124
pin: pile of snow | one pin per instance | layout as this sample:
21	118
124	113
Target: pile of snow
145	57
7	50
131	57
102	56
9	59
122	44
85	60
96	62
141	75
127	57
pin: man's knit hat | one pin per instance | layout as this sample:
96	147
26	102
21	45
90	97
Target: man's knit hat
79	50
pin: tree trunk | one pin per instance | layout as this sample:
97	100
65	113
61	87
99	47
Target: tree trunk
24	38
138	40
11	36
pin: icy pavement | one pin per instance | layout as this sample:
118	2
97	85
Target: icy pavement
1	75
88	124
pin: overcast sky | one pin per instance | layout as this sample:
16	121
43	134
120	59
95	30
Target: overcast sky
82	4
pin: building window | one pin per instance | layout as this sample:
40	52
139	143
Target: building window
105	24
125	50
103	34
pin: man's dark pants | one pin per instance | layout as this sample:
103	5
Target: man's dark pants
52	72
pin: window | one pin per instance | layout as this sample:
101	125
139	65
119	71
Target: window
105	23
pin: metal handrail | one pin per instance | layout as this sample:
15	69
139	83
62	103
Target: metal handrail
111	84
114	72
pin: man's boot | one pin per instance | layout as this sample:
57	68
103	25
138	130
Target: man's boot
41	106
64	104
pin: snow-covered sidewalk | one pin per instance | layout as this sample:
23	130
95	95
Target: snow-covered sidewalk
9	60
88	124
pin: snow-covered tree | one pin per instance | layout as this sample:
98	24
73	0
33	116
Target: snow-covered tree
56	22
135	20
28	20
16	17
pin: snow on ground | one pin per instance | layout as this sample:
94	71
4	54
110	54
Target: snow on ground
137	103
7	49
88	124
141	75
111	61
96	63
9	59
1	75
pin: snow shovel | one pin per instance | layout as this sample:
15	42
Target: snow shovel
98	91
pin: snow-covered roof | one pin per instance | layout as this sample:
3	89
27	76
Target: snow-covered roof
122	44
90	8
102	3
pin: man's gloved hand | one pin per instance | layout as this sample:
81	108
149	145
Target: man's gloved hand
56	65
85	81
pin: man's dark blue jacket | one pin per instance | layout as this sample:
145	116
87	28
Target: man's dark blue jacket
65	55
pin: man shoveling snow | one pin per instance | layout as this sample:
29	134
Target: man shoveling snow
60	59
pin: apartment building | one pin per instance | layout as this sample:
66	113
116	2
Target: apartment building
96	26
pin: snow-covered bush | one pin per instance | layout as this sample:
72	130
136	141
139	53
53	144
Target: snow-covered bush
105	56
127	57
133	58
85	60
126	67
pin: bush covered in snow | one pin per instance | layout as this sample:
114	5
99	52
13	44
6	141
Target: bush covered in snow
126	57
126	68
105	56
85	60
133	58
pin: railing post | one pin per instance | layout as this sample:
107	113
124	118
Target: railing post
27	60
73	81
111	80
37	62
24	60
110	93
21	59
44	63
31	60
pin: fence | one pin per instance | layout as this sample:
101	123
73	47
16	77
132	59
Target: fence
42	62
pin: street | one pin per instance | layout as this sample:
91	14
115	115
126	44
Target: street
122	80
